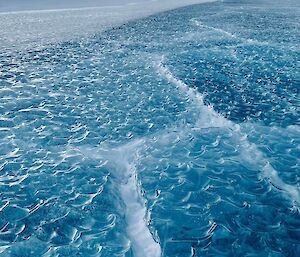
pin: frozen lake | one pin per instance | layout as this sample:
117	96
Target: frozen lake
175	134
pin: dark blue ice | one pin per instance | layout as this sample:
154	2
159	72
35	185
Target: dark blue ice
191	116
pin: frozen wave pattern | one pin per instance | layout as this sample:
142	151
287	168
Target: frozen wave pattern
173	135
122	162
249	152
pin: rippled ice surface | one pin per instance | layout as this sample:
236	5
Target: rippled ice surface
173	135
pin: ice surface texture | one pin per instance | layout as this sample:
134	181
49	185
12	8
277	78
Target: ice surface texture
33	29
172	135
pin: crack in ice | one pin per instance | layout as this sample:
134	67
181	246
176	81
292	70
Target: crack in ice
249	152
123	160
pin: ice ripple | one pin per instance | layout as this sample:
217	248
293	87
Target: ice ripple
187	147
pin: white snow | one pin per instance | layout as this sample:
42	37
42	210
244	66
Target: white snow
23	29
